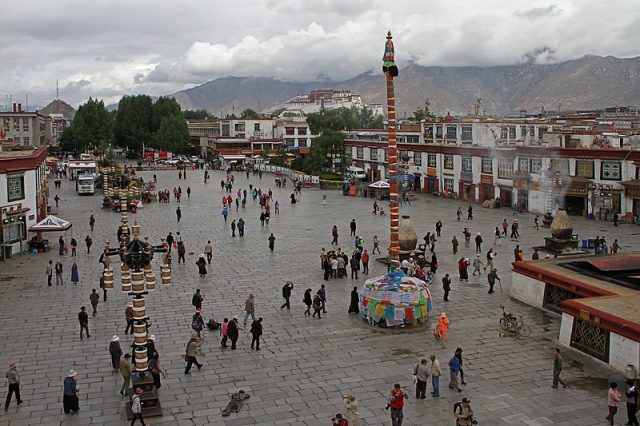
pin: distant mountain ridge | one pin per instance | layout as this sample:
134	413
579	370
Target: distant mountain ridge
585	83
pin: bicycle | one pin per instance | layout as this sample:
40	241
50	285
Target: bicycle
510	323
508	320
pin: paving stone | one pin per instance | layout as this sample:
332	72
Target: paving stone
305	366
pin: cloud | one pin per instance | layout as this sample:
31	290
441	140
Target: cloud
123	47
538	12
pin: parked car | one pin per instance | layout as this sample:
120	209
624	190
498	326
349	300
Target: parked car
172	161
194	158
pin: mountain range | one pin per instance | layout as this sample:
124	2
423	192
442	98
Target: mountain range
586	83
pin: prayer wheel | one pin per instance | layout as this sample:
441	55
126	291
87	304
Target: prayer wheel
137	282
140	334
141	359
150	279
135	229
138	309
107	276
124	268
147	269
166	274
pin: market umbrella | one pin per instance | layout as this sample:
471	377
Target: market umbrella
51	224
381	184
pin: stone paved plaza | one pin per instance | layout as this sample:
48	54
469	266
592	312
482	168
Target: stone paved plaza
305	365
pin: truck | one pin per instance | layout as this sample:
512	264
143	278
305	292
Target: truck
85	184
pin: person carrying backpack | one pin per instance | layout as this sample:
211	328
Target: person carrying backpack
197	322
463	412
136	406
454	370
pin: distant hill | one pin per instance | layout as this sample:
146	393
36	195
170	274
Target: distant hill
58	106
588	82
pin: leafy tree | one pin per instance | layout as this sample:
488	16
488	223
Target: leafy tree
249	113
173	134
164	107
91	127
134	123
199	114
325	150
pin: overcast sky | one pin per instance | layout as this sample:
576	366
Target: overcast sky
108	48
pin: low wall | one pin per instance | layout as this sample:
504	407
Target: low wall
293	174
527	290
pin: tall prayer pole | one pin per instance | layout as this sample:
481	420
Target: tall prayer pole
391	70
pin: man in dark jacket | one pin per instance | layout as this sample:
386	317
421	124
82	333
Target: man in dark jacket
196	300
232	331
83	318
352	227
286	294
446	286
256	332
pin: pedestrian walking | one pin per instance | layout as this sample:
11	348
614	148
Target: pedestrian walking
188	192
396	403
463	264
351	407
156	369
224	328
74	247
491	278
75	275
62	248
365	262
249	309
13	378
286	294
478	240
435	376
317	304
49	272
422	376
613	400
196	300
83	319
477	264
202	265
557	369
197	322
94	299
334	235
182	250
126	371
323	297
88	241
376	245
505	225
272	242
632	402
442	327
233	228
463	413
136	406
193	347
454	370
438	228
58	270
355	266
232	331
454	245
307	300
256	332
490	256
208	250
92	222
128	315
496	240
352	227
240	226
459	213
470	213
116	352
70	401
178	214
536	223
446	286
355	302
458	354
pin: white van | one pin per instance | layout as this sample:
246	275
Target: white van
354	172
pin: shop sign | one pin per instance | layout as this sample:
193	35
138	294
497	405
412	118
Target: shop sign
432	171
487	179
466	176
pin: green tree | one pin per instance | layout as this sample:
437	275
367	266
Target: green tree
164	107
199	114
91	127
173	134
249	113
133	126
